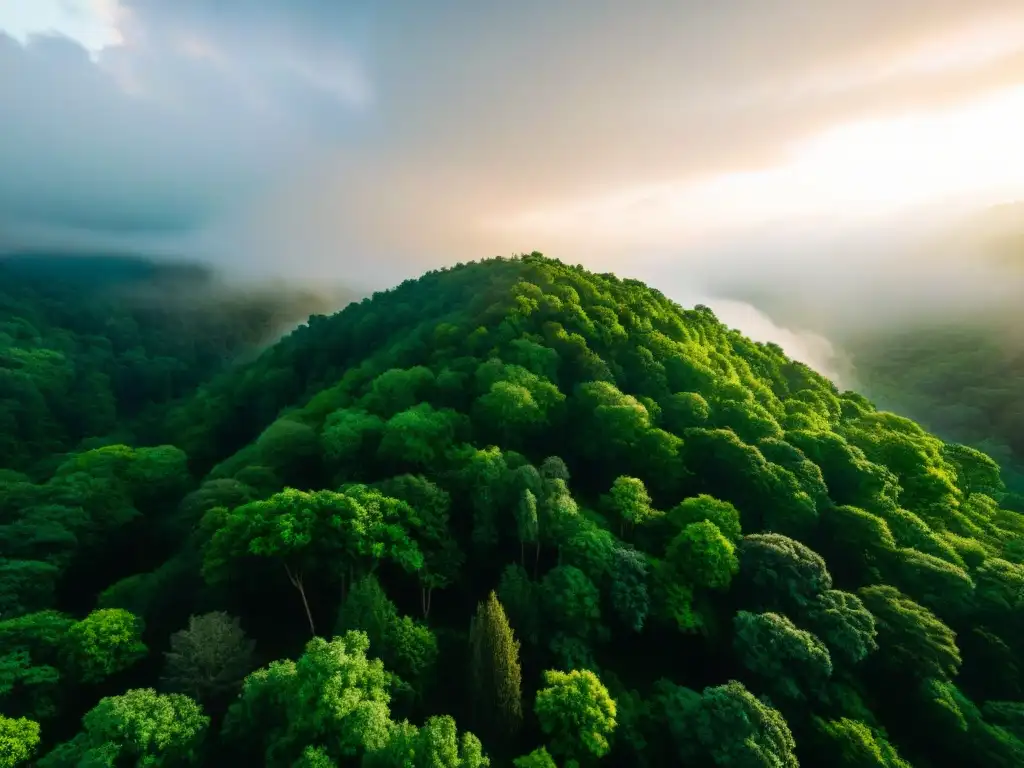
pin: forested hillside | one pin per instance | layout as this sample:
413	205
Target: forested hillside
513	514
90	346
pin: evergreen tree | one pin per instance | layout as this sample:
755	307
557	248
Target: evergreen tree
494	666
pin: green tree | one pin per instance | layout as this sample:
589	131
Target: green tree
791	662
576	711
847	627
209	659
975	472
630	597
684	410
18	740
630	502
780	574
495	670
442	557
528	526
696	509
702	556
333	696
853	744
520	597
572	602
140	727
348	435
726	725
407	647
437	744
323	532
104	643
539	758
912	639
419	436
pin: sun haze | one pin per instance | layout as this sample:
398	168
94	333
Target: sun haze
368	141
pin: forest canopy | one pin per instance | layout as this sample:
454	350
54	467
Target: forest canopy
510	513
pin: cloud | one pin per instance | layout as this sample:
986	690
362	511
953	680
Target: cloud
366	141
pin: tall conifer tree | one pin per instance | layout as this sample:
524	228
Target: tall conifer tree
495	671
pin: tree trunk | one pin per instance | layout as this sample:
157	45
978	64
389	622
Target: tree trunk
536	558
522	553
425	594
296	580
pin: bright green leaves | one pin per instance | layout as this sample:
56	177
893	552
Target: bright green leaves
331	708
975	472
104	643
698	508
539	758
698	559
515	403
407	647
419	436
18	740
751	422
935	583
140	727
768	495
702	556
615	421
527	522
630	502
850	743
109	480
576	712
333	696
326	532
437	744
927	481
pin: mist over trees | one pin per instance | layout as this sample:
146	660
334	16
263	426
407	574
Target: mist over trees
510	513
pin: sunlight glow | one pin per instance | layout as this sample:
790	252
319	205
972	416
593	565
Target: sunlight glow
971	153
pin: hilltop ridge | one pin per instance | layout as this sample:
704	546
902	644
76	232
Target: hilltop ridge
573	520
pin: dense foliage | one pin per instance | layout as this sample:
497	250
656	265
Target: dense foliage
514	513
89	345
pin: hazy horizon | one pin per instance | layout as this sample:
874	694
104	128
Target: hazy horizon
830	164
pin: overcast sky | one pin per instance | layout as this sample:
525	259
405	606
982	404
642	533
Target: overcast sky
700	144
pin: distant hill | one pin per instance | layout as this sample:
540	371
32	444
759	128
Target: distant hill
90	342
